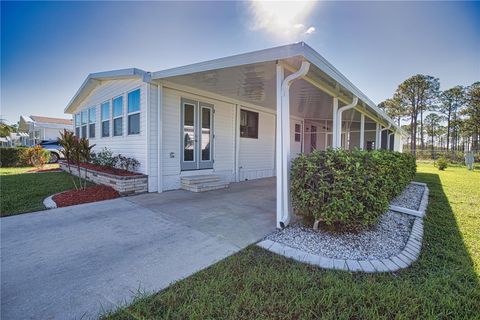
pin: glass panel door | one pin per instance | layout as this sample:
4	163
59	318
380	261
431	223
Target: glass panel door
206	136
189	161
197	135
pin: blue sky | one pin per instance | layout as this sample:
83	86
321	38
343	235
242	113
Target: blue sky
48	48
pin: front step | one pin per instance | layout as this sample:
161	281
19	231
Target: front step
202	183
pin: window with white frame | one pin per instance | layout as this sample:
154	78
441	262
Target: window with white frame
77	124
298	132
84	115
248	124
118	116
91	122
105	117
134	112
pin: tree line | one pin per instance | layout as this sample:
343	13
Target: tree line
446	120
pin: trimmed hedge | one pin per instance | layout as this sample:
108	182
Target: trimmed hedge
348	189
12	157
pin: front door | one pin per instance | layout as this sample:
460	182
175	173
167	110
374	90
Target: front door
197	135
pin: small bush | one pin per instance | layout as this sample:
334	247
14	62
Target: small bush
104	158
442	164
126	163
348	189
11	157
35	156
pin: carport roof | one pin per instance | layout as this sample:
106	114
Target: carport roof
285	53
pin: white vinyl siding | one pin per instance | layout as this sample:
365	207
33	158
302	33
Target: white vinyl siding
224	141
257	156
128	145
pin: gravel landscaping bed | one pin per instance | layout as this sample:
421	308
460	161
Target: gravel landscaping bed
410	197
387	238
384	240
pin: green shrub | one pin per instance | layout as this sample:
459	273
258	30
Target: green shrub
12	157
35	156
348	189
442	164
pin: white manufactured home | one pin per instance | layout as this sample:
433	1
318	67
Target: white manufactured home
239	118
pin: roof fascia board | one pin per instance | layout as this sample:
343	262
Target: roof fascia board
94	79
271	54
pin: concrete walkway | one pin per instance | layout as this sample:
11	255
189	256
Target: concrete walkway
73	262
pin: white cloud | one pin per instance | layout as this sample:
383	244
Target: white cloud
283	19
310	30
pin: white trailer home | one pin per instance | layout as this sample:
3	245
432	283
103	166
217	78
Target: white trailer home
240	117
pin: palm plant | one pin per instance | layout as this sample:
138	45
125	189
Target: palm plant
68	141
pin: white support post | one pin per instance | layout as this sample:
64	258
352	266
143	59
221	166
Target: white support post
339	120
362	131
388	140
334	126
283	142
160	139
279	142
377	136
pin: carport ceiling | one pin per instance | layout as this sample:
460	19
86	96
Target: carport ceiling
256	84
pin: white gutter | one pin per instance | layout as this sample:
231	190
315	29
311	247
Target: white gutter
380	135
338	134
283	132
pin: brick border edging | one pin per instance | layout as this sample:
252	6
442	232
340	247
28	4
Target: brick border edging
401	260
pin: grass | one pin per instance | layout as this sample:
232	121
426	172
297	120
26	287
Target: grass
22	192
256	284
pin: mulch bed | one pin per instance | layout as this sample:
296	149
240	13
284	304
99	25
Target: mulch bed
109	170
90	194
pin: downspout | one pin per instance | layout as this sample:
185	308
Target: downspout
338	143
388	141
387	128
285	103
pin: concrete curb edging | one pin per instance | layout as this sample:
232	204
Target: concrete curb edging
49	203
401	260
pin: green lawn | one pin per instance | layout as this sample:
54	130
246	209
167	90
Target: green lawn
255	284
22	192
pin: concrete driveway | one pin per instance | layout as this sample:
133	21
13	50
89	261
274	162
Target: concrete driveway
73	262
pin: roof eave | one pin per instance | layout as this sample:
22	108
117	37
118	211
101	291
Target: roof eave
94	79
272	54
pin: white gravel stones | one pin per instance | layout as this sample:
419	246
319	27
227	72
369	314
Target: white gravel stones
410	197
394	243
387	238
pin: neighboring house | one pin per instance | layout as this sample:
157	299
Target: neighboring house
41	128
19	139
240	117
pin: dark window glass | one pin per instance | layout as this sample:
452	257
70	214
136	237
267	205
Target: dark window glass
188	132
105	128
134	101
84	131
134	123
118	107
91	130
105	111
91	115
248	124
84	117
117	127
313	139
298	132
206	133
77	131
